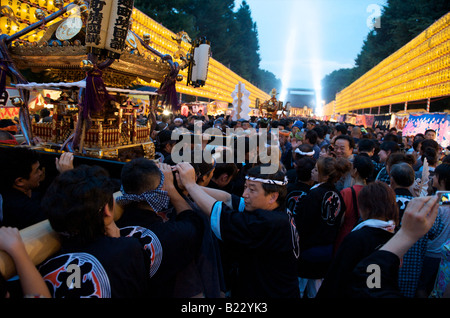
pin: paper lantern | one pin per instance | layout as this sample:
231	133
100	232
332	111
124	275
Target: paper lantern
198	70
50	6
118	26
97	25
5	25
33	18
25	11
107	26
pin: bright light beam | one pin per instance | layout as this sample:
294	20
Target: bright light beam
290	50
288	60
305	19
313	42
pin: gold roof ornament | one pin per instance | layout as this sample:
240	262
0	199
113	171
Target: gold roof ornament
58	53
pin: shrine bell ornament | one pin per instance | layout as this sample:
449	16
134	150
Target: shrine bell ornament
198	69
107	27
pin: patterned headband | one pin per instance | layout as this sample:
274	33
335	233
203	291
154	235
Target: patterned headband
157	198
269	181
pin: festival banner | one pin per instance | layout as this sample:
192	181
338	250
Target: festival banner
360	120
364	120
382	121
399	121
420	123
9	112
350	119
369	120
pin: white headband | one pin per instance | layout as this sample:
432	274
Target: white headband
269	181
304	153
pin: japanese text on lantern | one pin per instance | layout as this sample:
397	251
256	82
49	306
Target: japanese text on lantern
95	22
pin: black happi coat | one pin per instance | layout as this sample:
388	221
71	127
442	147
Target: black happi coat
107	268
318	218
264	245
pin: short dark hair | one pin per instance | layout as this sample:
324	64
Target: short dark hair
416	144
319	131
391	137
311	135
446	159
16	162
4	123
202	168
74	201
342	129
364	166
229	169
391	146
140	175
366	145
429	143
303	148
304	166
403	174
431	155
350	140
279	175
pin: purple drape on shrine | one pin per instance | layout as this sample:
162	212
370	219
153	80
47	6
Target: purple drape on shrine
3	73
168	90
96	95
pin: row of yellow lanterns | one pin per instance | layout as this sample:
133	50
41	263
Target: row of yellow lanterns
440	63
417	46
438	85
401	65
423	76
435	90
428	77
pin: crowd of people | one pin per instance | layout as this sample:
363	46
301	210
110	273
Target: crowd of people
228	223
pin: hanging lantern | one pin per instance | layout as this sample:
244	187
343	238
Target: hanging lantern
97	25
119	24
50	6
198	68
5	25
107	26
25	11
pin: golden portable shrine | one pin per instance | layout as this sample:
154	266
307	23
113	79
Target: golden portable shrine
90	54
273	108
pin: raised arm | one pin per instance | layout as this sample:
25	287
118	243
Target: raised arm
219	195
187	175
417	220
176	199
30	279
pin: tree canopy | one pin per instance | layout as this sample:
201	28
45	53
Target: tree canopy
233	33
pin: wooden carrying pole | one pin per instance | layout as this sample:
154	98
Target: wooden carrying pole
40	243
